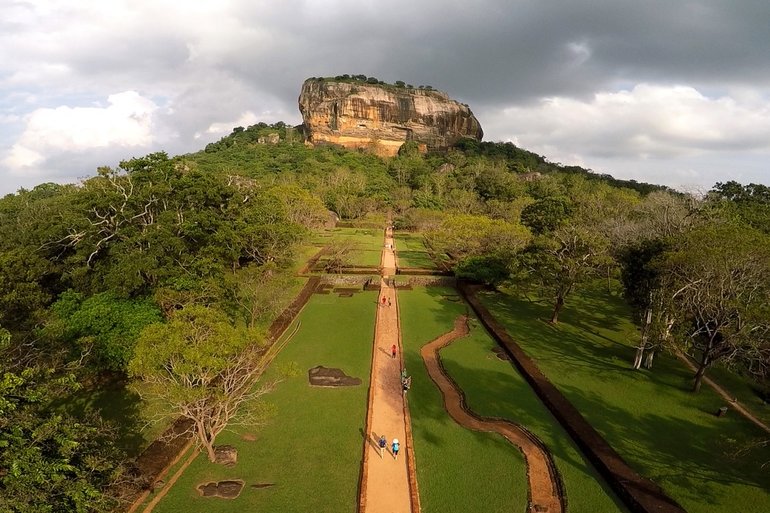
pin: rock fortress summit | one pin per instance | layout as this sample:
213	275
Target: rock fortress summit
360	113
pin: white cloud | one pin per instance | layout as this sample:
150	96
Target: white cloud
644	122
223	128
125	122
21	157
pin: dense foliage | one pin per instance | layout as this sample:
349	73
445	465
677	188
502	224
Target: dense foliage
50	461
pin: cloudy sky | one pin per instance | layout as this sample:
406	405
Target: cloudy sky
665	91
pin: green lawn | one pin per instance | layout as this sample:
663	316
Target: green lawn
664	431
457	469
412	252
311	447
494	388
409	241
415	259
367	239
368	243
366	258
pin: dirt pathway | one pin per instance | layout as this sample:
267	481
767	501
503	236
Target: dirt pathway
385	483
545	490
734	404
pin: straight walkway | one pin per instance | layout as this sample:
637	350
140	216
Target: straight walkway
385	484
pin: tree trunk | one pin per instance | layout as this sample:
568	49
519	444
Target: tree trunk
205	442
557	309
643	341
648	360
701	371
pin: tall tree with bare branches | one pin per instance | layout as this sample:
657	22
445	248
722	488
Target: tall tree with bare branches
202	368
717	285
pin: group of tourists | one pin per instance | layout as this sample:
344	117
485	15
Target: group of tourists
406	383
394	446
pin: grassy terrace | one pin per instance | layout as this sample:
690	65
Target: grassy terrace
457	469
411	251
310	449
659	427
494	388
368	243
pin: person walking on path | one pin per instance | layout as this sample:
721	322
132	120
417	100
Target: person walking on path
383	443
395	447
393	351
403	374
389	303
383	300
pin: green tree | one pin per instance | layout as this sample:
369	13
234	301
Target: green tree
22	294
102	327
563	260
716	282
51	462
493	269
203	368
750	203
642	286
463	236
260	292
546	215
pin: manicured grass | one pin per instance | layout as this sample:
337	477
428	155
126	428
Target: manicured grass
364	238
409	241
494	388
412	252
368	243
366	258
665	432
415	259
311	446
457	469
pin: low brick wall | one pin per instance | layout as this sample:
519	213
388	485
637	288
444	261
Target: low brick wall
282	322
431	281
158	456
357	280
640	495
419	271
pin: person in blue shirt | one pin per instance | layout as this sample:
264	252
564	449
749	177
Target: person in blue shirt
395	447
383	443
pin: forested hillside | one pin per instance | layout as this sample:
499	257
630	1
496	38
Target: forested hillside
92	273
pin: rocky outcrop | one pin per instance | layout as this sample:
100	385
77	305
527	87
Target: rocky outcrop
378	117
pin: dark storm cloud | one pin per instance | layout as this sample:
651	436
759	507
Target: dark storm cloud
205	65
510	52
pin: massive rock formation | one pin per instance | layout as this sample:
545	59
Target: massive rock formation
381	118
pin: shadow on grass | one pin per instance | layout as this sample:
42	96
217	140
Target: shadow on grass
672	450
116	404
579	340
650	417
